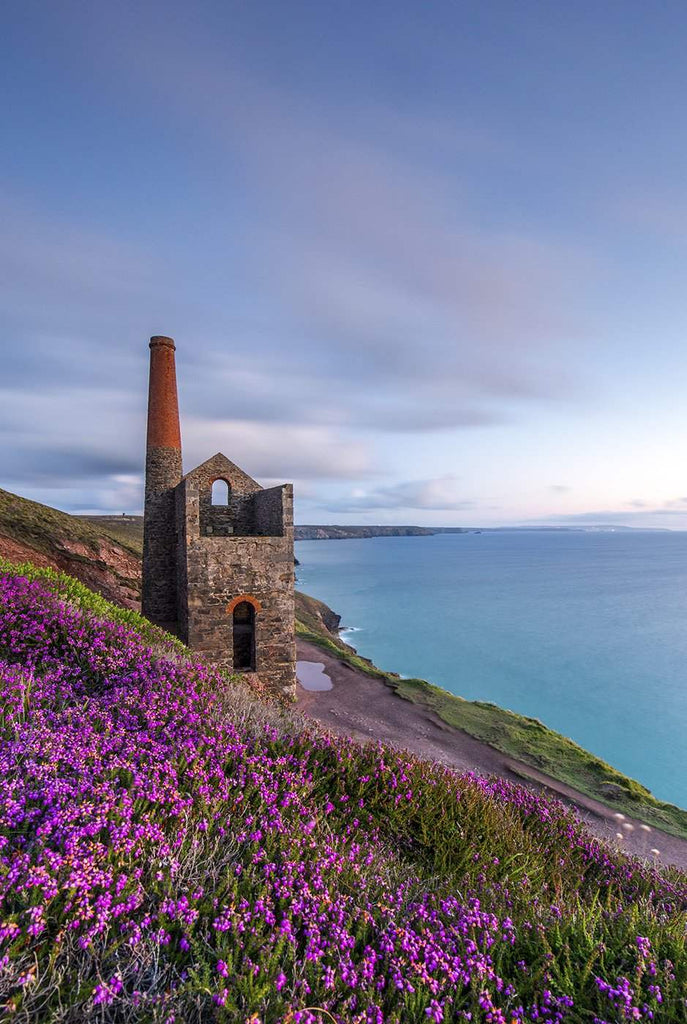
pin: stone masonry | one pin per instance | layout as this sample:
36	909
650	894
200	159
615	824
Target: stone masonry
163	474
219	576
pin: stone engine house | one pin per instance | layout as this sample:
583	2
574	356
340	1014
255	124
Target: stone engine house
218	565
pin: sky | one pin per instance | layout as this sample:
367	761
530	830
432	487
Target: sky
428	261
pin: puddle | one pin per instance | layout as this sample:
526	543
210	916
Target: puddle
312	676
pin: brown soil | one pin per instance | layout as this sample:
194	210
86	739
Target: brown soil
367	709
112	571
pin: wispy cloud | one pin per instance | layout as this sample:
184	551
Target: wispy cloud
276	452
379	275
440	494
637	512
325	263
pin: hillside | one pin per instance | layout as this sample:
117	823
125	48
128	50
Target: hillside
104	560
174	850
47	537
358	532
104	552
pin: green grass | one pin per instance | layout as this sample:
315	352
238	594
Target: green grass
126	530
338	649
526	740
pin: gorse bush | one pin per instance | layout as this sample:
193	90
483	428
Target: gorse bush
171	852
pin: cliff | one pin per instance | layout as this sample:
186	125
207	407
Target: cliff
106	561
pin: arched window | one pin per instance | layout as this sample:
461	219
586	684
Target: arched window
220	492
244	637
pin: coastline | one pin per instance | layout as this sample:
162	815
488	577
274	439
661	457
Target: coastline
481	736
580	636
363	706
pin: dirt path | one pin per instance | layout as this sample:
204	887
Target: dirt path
367	709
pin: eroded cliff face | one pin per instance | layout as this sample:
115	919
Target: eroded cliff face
30	532
109	570
360	532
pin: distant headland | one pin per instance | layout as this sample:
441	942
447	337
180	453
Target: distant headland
129	526
326	532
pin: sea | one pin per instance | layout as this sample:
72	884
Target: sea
586	631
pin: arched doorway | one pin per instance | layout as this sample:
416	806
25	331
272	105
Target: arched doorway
244	637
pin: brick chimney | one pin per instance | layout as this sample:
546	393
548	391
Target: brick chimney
163	473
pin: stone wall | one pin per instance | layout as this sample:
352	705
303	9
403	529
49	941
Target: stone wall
159	591
217	570
238	517
270	511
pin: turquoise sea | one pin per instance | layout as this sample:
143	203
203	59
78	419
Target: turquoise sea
585	631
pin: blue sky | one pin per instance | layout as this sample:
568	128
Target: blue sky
427	261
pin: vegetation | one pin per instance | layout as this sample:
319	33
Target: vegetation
526	740
71	590
126	530
172	850
48	530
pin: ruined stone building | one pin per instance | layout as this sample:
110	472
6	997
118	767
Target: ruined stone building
218	566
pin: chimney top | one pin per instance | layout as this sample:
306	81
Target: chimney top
160	339
163	405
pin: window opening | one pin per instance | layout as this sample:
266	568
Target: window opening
220	492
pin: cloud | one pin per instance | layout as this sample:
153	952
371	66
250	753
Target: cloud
275	452
331	276
73	298
368	265
440	494
637	513
559	489
48	465
69	436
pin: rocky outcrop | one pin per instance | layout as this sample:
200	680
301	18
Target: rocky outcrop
317	616
109	569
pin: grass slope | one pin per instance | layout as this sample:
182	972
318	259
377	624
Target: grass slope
71	590
48	530
128	530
